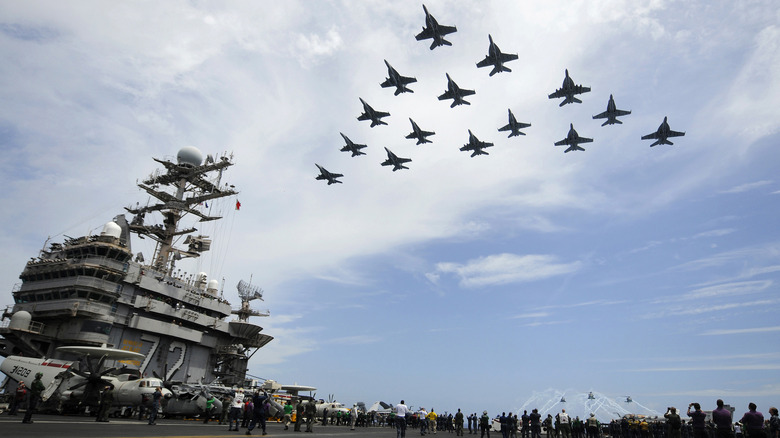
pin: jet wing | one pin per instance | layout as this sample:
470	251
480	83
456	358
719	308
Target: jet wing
444	30
652	136
364	116
603	115
506	57
563	142
447	95
675	134
386	84
425	34
380	114
485	62
584	140
579	89
558	93
406	80
467	92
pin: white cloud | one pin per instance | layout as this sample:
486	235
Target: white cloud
742	188
718	332
507	268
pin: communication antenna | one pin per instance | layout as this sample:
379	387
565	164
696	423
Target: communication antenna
248	292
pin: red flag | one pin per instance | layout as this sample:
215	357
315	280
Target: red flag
238	205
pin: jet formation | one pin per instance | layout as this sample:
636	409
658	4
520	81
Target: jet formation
568	90
419	134
662	134
329	176
476	145
352	146
514	126
497	60
434	30
612	113
573	140
394	79
371	114
455	93
395	161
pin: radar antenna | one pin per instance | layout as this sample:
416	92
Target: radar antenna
248	292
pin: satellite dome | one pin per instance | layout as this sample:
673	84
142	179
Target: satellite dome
111	229
189	156
212	287
20	320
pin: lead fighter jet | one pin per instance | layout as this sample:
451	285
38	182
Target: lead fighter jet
434	30
395	161
396	80
568	90
573	140
612	113
371	114
514	126
419	134
329	176
455	93
496	58
476	145
662	134
352	146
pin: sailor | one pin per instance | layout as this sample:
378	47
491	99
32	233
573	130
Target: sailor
298	416
156	396
18	400
235	410
311	412
36	388
106	400
288	410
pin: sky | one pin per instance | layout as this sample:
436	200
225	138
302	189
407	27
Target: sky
473	283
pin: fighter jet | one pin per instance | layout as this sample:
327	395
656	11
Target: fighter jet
573	140
455	93
496	58
394	79
434	30
568	90
419	134
371	114
476	145
352	146
329	176
612	113
514	126
395	161
662	134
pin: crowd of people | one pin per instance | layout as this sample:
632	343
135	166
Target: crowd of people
719	423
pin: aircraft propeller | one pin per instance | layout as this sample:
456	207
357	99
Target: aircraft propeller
94	379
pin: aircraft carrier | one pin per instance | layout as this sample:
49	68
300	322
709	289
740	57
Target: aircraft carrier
95	291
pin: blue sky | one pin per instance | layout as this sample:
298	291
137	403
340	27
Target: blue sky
462	282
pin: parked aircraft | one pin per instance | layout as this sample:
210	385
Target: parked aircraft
394	79
568	90
612	113
434	30
395	161
419	134
352	147
496	58
514	126
662	134
329	176
476	145
371	114
573	140
77	384
455	93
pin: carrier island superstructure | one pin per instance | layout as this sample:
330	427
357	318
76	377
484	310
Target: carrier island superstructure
94	291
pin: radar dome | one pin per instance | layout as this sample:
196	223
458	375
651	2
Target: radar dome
212	287
189	156
20	320
111	229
